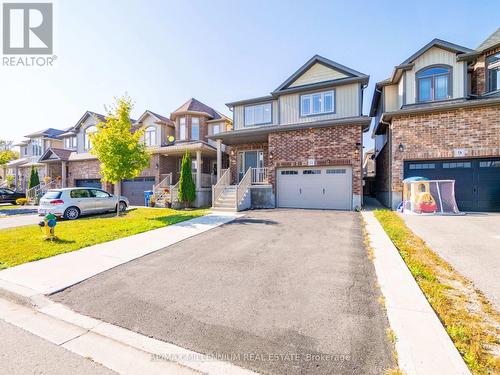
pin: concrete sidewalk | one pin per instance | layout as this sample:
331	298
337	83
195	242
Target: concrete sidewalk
19	221
53	274
423	346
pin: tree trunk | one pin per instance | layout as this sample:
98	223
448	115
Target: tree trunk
118	192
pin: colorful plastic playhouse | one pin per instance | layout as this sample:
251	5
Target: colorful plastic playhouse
424	196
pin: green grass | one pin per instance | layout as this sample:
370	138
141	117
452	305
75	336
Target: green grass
26	244
466	315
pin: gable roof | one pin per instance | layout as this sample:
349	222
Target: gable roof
154	114
49	133
452	47
317	59
193	105
492	41
85	116
59	153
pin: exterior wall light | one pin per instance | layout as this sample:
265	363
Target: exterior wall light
401	147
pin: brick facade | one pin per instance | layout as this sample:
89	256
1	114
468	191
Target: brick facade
328	146
436	135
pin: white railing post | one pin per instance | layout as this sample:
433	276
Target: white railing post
219	187
245	182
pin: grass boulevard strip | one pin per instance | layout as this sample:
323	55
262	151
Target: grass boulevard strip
26	244
469	319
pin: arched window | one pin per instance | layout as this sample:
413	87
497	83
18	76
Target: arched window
150	136
434	83
86	139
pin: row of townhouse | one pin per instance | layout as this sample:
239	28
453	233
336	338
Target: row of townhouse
301	146
63	157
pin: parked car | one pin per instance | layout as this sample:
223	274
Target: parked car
10	196
71	203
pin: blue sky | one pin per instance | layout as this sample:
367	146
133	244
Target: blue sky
164	52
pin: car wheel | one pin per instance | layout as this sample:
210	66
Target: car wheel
72	213
123	206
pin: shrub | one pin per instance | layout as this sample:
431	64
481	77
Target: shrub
187	189
21	201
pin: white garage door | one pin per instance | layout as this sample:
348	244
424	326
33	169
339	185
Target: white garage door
326	187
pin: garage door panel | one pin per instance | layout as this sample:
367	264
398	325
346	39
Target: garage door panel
477	181
134	189
321	188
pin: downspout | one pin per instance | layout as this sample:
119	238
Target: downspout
389	144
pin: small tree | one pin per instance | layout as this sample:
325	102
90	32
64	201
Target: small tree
187	188
121	152
34	179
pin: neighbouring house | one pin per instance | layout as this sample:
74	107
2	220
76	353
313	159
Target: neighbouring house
369	173
30	151
300	146
167	138
438	116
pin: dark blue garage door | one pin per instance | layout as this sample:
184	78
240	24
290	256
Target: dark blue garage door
93	182
477	181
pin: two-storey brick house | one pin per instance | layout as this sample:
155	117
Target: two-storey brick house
301	145
438	116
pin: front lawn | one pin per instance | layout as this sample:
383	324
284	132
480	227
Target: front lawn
26	244
471	322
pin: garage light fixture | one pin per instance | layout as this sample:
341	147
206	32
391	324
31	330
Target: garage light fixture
401	147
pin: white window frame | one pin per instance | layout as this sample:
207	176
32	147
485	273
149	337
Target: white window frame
253	109
86	140
193	125
306	110
70	142
215	126
36	147
182	129
150	136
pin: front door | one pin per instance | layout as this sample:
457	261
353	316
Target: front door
249	159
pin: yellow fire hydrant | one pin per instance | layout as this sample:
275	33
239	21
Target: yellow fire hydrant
49	223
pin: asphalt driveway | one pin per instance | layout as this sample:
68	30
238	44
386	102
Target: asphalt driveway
470	243
276	291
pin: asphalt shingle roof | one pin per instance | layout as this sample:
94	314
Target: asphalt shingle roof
491	41
197	106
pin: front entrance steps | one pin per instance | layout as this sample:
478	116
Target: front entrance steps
227	200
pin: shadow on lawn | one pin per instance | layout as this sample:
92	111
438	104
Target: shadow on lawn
173	219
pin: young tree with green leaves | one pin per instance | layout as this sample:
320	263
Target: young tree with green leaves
121	152
187	188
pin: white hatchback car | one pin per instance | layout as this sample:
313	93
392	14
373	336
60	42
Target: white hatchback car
70	203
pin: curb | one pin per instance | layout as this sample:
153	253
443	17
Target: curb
422	343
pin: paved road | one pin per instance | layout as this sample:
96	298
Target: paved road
277	291
470	243
24	353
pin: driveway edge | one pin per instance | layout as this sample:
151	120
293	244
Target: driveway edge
422	344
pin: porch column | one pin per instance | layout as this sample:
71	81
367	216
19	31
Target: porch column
16	179
198	169
219	159
63	174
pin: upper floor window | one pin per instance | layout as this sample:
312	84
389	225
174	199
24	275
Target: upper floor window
86	139
182	128
36	145
215	129
150	136
493	72
434	83
317	103
258	114
195	128
25	150
70	142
